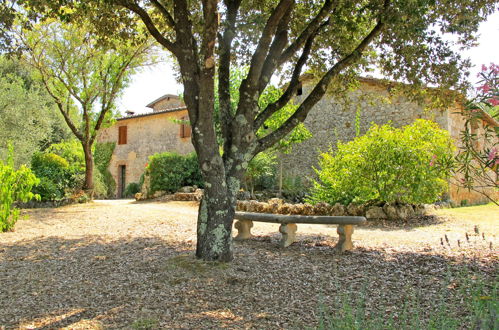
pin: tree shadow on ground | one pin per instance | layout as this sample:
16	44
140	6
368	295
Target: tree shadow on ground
55	282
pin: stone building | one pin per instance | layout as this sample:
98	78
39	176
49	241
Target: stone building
331	121
139	136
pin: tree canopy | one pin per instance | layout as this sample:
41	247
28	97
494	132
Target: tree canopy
336	40
81	75
30	120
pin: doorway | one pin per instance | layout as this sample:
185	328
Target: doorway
122	181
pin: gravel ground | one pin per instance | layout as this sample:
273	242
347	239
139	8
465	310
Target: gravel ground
124	264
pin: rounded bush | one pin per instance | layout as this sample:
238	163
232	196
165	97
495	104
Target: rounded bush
170	171
407	165
54	174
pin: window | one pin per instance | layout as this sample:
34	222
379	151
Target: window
122	135
185	128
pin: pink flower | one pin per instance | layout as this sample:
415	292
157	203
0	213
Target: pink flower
485	88
432	161
494	102
484	67
492	153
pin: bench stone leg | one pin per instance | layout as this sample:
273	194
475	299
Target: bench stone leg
243	229
288	232
345	241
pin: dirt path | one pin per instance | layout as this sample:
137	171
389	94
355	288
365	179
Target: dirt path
123	264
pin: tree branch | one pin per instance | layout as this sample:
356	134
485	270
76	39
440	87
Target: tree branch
293	84
249	86
280	41
318	91
162	9
151	27
225	42
307	32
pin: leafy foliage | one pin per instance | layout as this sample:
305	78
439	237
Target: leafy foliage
261	172
131	189
15	185
82	75
170	171
408	165
54	173
29	118
478	157
102	157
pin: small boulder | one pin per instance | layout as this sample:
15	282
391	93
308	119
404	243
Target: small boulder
322	208
375	212
159	193
285	208
390	211
338	210
355	209
187	189
405	211
308	209
243	195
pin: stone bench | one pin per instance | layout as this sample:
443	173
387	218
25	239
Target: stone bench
288	226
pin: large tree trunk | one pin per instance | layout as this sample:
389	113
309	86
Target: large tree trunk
88	185
215	217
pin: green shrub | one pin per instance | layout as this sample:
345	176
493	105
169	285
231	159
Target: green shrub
131	189
261	172
54	173
100	187
408	165
169	171
102	157
15	185
72	152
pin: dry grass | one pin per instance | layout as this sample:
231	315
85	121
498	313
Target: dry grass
121	264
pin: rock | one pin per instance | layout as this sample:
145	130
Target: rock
285	208
262	207
243	195
308	209
429	208
241	206
199	194
277	201
390	211
251	206
187	189
158	193
419	210
138	196
375	212
405	211
355	209
322	208
338	210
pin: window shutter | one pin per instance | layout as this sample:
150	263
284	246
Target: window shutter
185	129
122	135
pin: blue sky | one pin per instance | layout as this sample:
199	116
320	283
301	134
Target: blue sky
158	80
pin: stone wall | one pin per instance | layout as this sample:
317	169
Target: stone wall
146	135
331	121
170	102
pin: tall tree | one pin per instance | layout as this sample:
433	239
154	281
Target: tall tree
82	74
332	38
29	116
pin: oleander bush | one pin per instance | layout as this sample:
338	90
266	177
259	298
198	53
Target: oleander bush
407	165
